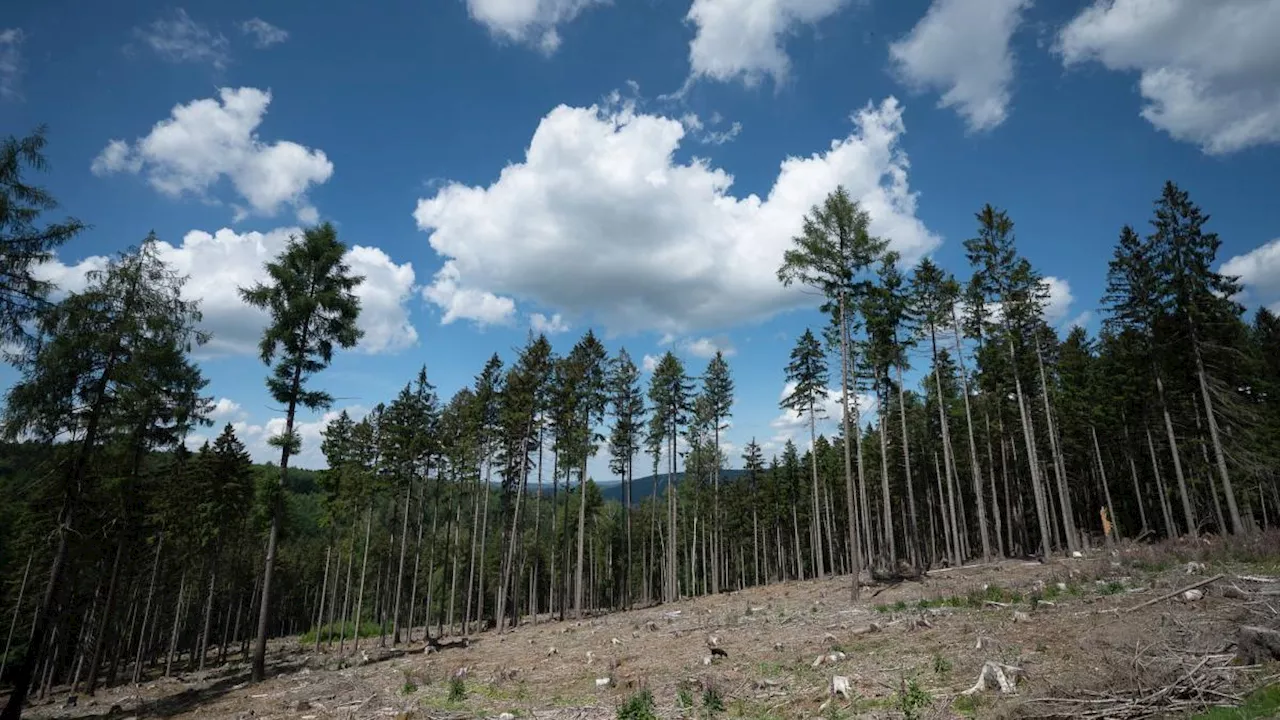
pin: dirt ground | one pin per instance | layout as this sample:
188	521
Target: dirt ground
908	650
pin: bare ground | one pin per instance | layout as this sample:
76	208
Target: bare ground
1065	624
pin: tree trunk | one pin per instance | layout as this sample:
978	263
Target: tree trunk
177	623
1232	509
324	586
582	525
1188	514
22	589
207	625
1106	489
1059	469
815	524
404	544
975	468
364	571
1033	459
886	520
1170	528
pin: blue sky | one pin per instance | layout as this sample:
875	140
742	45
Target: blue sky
635	166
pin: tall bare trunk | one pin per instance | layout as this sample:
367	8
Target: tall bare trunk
846	403
1232	509
364	571
906	464
886	520
324	585
815	523
1106	489
1187	512
1170	528
404	545
1059	468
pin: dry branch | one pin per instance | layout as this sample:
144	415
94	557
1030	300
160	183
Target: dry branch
1176	593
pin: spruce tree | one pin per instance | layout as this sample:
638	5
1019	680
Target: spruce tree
312	310
717	388
808	372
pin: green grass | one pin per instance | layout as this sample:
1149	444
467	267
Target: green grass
1262	703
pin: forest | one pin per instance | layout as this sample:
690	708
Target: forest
125	554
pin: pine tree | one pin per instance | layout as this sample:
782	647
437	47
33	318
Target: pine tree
626	403
1197	299
313	309
669	393
832	252
807	371
717	388
24	246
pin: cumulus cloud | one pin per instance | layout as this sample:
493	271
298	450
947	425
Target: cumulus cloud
1258	270
10	62
553	325
218	264
743	39
1208	71
1059	301
206	140
264	34
650	363
600	220
707	347
226	409
530	22
794	426
181	39
961	48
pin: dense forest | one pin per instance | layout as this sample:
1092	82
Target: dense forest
125	555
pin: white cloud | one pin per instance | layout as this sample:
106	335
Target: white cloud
1059	301
1079	321
10	62
599	220
743	39
264	33
1209	71
181	39
553	325
531	22
704	132
961	47
255	437
794	426
706	347
650	363
461	303
226	409
207	140
1258	270
218	264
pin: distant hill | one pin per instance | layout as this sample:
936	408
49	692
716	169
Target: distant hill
643	487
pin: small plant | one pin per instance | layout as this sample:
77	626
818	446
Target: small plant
912	699
410	685
1112	588
457	690
639	707
712	703
684	699
941	665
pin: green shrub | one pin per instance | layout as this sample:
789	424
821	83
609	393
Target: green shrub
639	707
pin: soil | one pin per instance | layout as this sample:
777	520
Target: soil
1063	623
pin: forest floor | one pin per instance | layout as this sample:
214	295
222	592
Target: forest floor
1080	631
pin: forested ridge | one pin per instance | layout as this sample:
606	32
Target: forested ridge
126	555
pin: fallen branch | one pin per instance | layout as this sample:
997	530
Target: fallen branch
1176	593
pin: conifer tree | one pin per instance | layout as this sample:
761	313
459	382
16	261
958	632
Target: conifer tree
717	388
310	299
24	244
831	253
808	372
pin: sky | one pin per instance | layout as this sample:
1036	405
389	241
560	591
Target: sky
637	166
